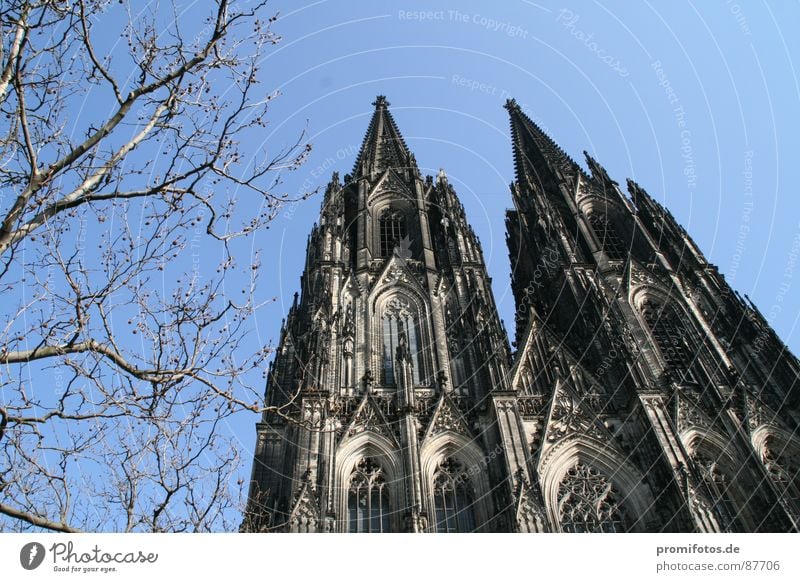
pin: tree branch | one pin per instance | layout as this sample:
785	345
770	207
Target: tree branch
36	520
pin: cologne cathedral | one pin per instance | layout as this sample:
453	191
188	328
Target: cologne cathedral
643	394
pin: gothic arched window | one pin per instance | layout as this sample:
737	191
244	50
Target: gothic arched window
453	500
719	484
608	237
588	502
670	335
400	330
392	230
368	499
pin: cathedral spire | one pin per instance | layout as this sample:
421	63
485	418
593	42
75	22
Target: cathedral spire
383	146
537	158
599	173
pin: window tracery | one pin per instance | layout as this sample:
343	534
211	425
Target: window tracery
368	499
608	237
588	502
670	335
392	227
453	498
400	332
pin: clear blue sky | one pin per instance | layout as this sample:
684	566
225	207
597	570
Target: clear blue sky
696	101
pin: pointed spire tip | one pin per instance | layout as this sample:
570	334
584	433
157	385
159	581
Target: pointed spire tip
383	146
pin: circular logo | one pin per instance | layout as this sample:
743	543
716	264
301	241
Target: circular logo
31	555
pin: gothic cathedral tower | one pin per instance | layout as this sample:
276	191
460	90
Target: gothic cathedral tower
388	359
644	394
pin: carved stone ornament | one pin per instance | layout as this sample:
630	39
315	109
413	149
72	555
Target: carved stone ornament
690	415
568	418
305	517
397	274
368	418
702	509
531	515
588	502
447	417
758	414
393	183
312	412
640	276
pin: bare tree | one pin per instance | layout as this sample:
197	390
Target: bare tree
127	188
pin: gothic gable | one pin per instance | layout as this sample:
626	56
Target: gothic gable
571	418
350	286
395	273
447	417
759	414
369	418
305	514
690	414
390	183
651	275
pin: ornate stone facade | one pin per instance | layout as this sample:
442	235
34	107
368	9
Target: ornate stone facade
644	394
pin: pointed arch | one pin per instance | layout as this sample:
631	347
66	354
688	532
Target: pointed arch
720	468
456	485
668	332
400	332
669	328
369	471
588	502
779	451
368	499
611	223
588	487
453	498
400	317
391	219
